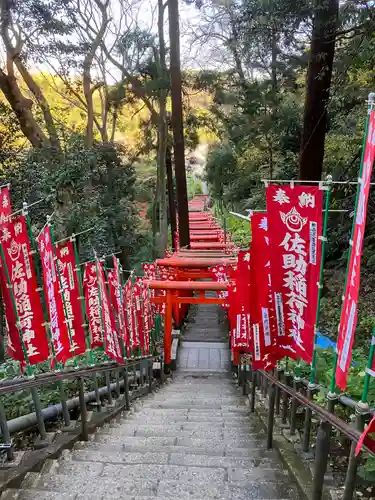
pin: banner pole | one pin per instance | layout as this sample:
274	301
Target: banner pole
370	104
34	247
320	284
90	358
29	368
56	263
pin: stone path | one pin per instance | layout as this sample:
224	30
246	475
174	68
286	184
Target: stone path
194	439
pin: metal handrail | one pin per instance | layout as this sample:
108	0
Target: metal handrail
51	377
280	392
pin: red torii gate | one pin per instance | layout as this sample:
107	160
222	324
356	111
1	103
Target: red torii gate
209	245
173	298
204	237
198	266
188	268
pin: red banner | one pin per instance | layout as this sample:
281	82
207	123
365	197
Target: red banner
348	320
365	439
147	316
5	206
132	332
220	274
54	301
14	342
71	295
149	271
18	259
111	340
239	304
262	313
115	293
91	292
295	227
176	241
139	313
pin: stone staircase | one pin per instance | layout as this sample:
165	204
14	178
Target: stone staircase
194	439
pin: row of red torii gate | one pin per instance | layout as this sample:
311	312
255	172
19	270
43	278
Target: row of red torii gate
271	289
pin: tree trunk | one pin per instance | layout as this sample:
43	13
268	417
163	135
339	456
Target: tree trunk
86	77
42	102
170	187
22	109
233	47
155	207
114	122
274	61
162	135
162	144
318	88
177	124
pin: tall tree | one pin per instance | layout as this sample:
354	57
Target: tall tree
319	77
177	124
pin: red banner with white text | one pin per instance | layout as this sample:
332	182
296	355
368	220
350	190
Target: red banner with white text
294	229
348	320
262	312
18	259
220	274
147	316
239	305
139	313
111	341
55	305
115	293
71	295
14	343
130	321
91	293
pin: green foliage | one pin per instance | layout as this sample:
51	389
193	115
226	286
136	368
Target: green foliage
238	229
84	188
194	187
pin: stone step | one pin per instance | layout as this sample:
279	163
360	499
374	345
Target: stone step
23	494
194	440
260	458
197	406
223	435
210	490
108	443
238	421
168	480
162	429
263	459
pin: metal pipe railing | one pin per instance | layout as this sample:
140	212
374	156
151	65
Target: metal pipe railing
279	391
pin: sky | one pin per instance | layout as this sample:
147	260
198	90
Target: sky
193	55
144	13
